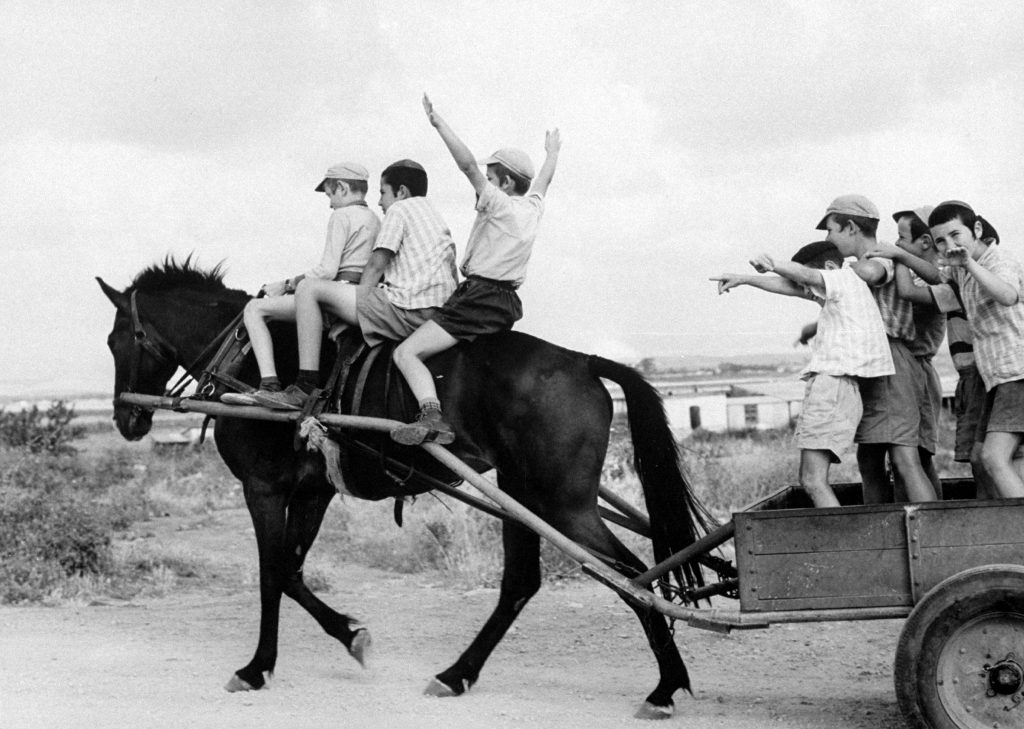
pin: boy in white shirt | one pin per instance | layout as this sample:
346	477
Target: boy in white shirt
508	213
850	344
351	232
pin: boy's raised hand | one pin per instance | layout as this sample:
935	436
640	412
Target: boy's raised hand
552	141
957	255
763	263
428	107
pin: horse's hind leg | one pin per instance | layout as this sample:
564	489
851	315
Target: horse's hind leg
520	581
591	531
305	515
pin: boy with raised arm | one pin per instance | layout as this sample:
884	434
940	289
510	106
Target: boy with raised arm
850	344
351	232
494	264
991	282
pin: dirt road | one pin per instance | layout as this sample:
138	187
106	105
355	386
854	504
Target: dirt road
576	659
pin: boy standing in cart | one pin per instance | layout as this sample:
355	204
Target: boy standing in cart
850	344
991	283
891	421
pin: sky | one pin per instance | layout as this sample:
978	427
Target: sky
695	135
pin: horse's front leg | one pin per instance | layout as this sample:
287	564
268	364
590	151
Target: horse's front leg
266	503
519	582
305	515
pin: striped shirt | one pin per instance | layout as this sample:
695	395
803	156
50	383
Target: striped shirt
422	272
897	313
502	237
998	330
958	330
851	339
929	325
351	232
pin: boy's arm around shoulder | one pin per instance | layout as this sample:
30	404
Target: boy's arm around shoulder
460	152
552	145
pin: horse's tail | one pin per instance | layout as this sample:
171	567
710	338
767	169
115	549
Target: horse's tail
677	517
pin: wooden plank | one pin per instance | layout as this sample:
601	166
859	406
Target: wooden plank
826	580
971	523
798	531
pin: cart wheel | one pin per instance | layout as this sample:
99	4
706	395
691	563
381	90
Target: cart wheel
960	658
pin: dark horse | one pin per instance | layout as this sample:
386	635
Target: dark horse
537	413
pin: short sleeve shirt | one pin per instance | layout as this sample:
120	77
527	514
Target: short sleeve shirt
422	272
502	237
958	330
351	232
998	330
851	339
897	313
929	325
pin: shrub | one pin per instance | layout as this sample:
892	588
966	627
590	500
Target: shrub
50	430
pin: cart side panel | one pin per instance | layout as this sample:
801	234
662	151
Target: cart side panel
952	539
812	559
884	555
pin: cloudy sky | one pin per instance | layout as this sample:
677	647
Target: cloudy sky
693	138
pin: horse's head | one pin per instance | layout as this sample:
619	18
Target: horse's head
142	363
165	319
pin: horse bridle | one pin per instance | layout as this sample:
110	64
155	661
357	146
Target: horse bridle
150	340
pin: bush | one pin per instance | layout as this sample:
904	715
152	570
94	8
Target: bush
50	431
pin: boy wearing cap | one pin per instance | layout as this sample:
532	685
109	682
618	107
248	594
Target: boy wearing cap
351	231
494	266
411	272
919	281
891	420
850	344
991	282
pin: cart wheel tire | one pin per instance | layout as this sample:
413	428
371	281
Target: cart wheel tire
960	659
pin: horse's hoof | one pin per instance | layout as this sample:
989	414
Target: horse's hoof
360	645
440	690
237	684
649	711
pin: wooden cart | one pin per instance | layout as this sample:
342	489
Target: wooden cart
953	568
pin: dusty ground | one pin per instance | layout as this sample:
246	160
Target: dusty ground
576	658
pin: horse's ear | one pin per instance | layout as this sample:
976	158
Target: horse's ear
117	298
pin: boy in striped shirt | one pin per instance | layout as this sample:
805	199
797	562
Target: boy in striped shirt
991	282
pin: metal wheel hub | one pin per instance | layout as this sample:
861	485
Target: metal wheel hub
1006	677
980	679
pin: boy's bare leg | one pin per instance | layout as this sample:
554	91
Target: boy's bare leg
982	481
426	341
814	466
337	297
997	456
928	464
871	462
907	462
256	314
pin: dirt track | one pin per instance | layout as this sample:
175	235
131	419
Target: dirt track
576	659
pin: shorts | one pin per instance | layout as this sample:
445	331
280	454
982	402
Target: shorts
968	406
1004	410
829	414
891	412
929	402
379	319
480	306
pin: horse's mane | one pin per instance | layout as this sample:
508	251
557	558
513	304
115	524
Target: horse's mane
171	275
